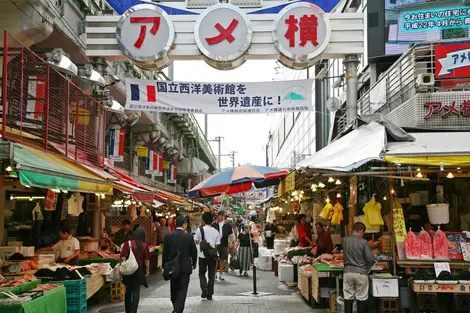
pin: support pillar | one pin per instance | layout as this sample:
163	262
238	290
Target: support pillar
351	63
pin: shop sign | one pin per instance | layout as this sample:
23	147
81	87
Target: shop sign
145	33
452	61
449	109
223	34
142	152
219	98
301	32
290	182
116	144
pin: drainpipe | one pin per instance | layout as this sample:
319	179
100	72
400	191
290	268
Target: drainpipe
351	63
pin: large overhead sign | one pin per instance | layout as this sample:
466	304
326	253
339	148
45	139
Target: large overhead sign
219	98
298	34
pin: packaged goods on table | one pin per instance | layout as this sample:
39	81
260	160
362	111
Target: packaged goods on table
425	245
439	245
412	246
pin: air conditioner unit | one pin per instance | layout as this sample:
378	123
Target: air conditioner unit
425	80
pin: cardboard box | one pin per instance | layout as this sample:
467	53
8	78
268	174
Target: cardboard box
6	252
384	287
15	243
27	251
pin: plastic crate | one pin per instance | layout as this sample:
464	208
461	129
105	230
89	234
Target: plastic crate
76	295
427	302
389	305
117	291
462	303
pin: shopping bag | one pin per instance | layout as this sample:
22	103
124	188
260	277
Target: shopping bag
129	266
115	273
235	263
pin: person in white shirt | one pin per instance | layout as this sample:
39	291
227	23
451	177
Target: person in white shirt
212	236
67	249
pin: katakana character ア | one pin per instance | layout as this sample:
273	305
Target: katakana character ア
308	30
224	33
196	88
218	89
465	108
451	109
223	102
434	108
207	89
455	57
291	30
155	20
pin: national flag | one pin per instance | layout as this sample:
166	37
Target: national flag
171	175
36	97
159	164
143	92
189	184
116	144
152	162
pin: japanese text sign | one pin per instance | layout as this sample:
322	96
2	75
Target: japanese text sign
219	98
434	19
223	33
145	33
452	108
301	32
453	61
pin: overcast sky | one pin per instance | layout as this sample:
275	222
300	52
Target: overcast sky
247	134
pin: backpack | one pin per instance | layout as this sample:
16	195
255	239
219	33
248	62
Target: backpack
209	251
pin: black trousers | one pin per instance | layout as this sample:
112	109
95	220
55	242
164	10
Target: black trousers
179	291
206	265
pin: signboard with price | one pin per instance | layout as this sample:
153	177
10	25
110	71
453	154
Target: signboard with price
437	288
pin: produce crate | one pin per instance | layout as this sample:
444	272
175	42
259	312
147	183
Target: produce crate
304	285
117	291
389	305
462	303
427	303
333	304
76	295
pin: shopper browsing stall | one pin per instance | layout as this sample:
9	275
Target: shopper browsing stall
304	232
67	249
124	234
358	260
324	242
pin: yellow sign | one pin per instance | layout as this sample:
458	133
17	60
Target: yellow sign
82	118
142	151
166	165
290	182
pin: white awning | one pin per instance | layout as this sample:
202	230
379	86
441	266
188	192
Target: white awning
360	146
430	144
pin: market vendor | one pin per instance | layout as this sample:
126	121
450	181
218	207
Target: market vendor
67	249
324	241
304	231
124	234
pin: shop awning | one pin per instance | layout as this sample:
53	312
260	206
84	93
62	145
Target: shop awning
44	170
448	148
166	195
351	151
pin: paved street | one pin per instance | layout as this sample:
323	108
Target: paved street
234	295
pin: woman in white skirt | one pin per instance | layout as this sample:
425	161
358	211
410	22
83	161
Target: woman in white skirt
244	251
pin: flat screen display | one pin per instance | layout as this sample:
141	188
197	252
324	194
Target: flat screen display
410	21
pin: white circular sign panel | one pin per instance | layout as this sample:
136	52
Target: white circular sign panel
223	33
145	33
301	32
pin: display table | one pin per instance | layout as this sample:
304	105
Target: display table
88	261
94	283
305	284
430	263
323	270
52	302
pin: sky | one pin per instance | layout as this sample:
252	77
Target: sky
247	134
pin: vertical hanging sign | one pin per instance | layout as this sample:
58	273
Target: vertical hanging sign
189	184
152	163
172	174
159	171
116	144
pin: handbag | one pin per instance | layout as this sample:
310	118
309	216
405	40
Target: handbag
115	273
235	263
129	266
171	269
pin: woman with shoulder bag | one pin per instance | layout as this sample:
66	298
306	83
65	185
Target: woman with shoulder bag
140	249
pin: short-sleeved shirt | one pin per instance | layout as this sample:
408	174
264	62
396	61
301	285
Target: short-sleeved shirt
162	231
66	247
211	235
140	254
244	240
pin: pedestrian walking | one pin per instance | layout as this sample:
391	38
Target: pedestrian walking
133	282
162	231
244	250
225	230
207	238
358	260
180	243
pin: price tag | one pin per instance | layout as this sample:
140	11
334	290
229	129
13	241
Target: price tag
441	266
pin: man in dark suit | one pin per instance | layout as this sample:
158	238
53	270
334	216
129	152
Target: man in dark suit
182	242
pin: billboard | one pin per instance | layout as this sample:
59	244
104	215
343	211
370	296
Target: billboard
410	21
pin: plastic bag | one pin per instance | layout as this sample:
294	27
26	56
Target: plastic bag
439	245
337	214
412	248
372	215
325	212
115	274
425	245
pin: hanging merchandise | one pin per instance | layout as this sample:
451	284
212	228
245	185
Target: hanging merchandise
337	214
51	200
37	213
64	209
412	247
325	212
425	245
439	245
372	215
132	213
438	213
398	221
74	204
316	209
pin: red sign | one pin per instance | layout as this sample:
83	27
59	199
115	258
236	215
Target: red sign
446	110
452	61
225	34
308	30
155	21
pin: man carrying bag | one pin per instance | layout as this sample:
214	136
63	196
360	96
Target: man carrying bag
179	260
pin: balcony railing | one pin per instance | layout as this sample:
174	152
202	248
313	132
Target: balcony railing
44	109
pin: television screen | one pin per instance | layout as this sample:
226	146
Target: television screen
410	21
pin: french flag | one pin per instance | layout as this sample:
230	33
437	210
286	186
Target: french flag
172	171
152	162
159	171
37	96
146	93
116	144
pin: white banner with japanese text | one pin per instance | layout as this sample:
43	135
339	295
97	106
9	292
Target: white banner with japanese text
219	98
